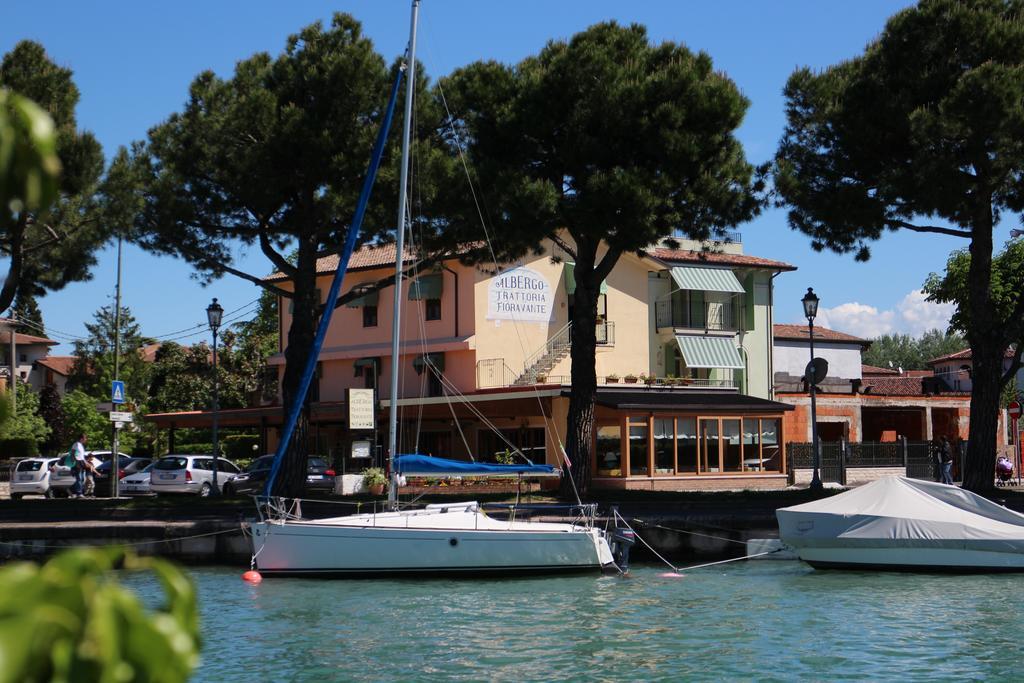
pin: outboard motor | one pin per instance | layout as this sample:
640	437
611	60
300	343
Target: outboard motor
622	540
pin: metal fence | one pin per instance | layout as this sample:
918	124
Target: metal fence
915	457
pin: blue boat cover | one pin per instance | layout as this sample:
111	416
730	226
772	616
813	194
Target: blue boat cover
426	464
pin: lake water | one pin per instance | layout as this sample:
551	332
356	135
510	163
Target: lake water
764	620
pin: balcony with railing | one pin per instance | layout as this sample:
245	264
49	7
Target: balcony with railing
700	316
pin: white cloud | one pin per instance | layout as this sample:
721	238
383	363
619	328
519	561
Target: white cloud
857	319
912	315
918	316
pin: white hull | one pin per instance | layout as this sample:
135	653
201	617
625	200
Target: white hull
912	559
439	540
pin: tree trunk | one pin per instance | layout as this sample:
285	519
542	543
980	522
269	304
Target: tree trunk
986	383
580	429
986	357
290	481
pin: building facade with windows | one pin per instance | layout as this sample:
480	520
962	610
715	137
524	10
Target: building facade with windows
683	362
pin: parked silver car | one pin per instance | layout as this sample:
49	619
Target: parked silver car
137	484
189	474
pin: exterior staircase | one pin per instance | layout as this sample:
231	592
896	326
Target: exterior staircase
547	357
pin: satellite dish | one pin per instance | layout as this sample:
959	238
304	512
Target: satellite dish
816	371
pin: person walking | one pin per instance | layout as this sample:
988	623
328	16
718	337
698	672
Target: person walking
947	461
78	469
91	463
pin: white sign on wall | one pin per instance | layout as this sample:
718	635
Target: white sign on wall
520	294
360	409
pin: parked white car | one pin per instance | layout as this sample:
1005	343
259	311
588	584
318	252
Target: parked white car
33	476
61	477
137	484
189	474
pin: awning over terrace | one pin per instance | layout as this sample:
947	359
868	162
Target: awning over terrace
706	279
709	352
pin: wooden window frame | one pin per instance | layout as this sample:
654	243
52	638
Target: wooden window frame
627	421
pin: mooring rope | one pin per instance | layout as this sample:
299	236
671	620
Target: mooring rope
686	531
679	570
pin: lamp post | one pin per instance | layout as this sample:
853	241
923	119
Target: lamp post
810	302
213	315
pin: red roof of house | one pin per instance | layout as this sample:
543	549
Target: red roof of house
906	385
966	355
869	370
60	364
716	258
367	258
799	333
20	338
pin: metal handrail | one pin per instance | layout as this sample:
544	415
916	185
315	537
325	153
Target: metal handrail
557	342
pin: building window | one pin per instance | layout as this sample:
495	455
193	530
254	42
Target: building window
369	316
664	450
686	445
608	451
432	309
638	449
434	386
22	358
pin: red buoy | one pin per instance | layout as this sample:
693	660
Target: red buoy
252	576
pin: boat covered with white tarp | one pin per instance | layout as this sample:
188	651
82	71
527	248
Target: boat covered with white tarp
898	523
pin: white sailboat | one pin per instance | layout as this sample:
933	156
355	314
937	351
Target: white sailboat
457	538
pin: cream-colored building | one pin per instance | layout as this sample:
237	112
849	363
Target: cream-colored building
683	363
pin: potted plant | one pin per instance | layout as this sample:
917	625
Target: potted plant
629	379
541	378
374	480
647	380
611	379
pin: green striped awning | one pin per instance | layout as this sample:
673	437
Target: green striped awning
369	297
709	352
426	287
706	279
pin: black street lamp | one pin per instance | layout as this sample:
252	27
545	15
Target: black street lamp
214	312
810	302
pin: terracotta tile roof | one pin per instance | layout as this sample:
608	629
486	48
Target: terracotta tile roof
60	364
148	352
715	258
367	258
868	370
20	338
966	355
908	385
799	333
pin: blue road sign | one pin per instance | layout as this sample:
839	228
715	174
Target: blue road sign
117	391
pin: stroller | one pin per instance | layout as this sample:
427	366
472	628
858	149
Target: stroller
1004	471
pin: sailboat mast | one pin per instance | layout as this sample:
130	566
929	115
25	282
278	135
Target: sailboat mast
396	325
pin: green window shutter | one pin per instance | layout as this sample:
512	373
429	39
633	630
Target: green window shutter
698	310
748	300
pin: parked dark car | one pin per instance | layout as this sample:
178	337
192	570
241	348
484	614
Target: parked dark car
126	465
319	476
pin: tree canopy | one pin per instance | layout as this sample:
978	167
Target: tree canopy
273	157
604	140
912	353
1006	284
51	230
922	132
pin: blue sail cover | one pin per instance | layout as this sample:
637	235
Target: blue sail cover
429	465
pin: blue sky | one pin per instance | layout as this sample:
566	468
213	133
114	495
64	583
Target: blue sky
133	62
